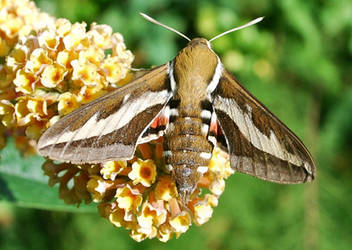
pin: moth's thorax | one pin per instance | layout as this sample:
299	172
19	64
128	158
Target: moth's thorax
188	150
194	68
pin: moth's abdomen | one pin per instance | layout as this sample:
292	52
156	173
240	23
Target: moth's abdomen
187	150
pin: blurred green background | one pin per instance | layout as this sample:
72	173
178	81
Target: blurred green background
297	61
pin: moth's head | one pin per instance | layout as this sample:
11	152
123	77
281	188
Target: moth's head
199	46
196	42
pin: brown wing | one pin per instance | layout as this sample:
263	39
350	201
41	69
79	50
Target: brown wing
259	144
108	128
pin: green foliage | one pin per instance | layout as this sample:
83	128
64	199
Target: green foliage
297	62
23	183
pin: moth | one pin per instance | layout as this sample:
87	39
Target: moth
202	106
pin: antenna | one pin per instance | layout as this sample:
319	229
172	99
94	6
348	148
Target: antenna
257	20
148	18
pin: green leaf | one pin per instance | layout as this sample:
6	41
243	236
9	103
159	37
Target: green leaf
23	183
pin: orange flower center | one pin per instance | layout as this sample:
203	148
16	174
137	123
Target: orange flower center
146	172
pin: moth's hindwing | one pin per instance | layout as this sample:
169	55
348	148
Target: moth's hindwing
109	127
258	143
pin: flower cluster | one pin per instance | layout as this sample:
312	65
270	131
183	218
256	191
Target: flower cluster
140	194
53	71
19	18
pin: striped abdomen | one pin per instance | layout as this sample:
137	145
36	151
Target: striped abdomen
187	149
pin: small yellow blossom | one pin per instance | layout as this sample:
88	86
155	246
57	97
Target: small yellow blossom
38	60
220	164
143	172
17	57
117	217
21	108
217	186
35	130
139	236
63	58
99	187
150	216
25	81
7	112
203	209
100	35
165	232
112	73
86	72
165	188
49	40
89	93
76	38
91	55
63	27
53	75
181	222
112	168
38	106
67	103
128	198
6	80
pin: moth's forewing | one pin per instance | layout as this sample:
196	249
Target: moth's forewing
109	127
259	144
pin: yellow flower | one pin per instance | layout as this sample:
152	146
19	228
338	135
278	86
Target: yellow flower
38	60
143	172
37	106
181	222
55	60
67	103
128	198
150	216
112	168
117	217
86	72
91	55
165	232
202	209
25	81
30	110
217	186
139	236
6	80
7	110
165	188
90	93
63	27
76	37
220	164
98	187
100	35
112	73
53	75
49	40
17	57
